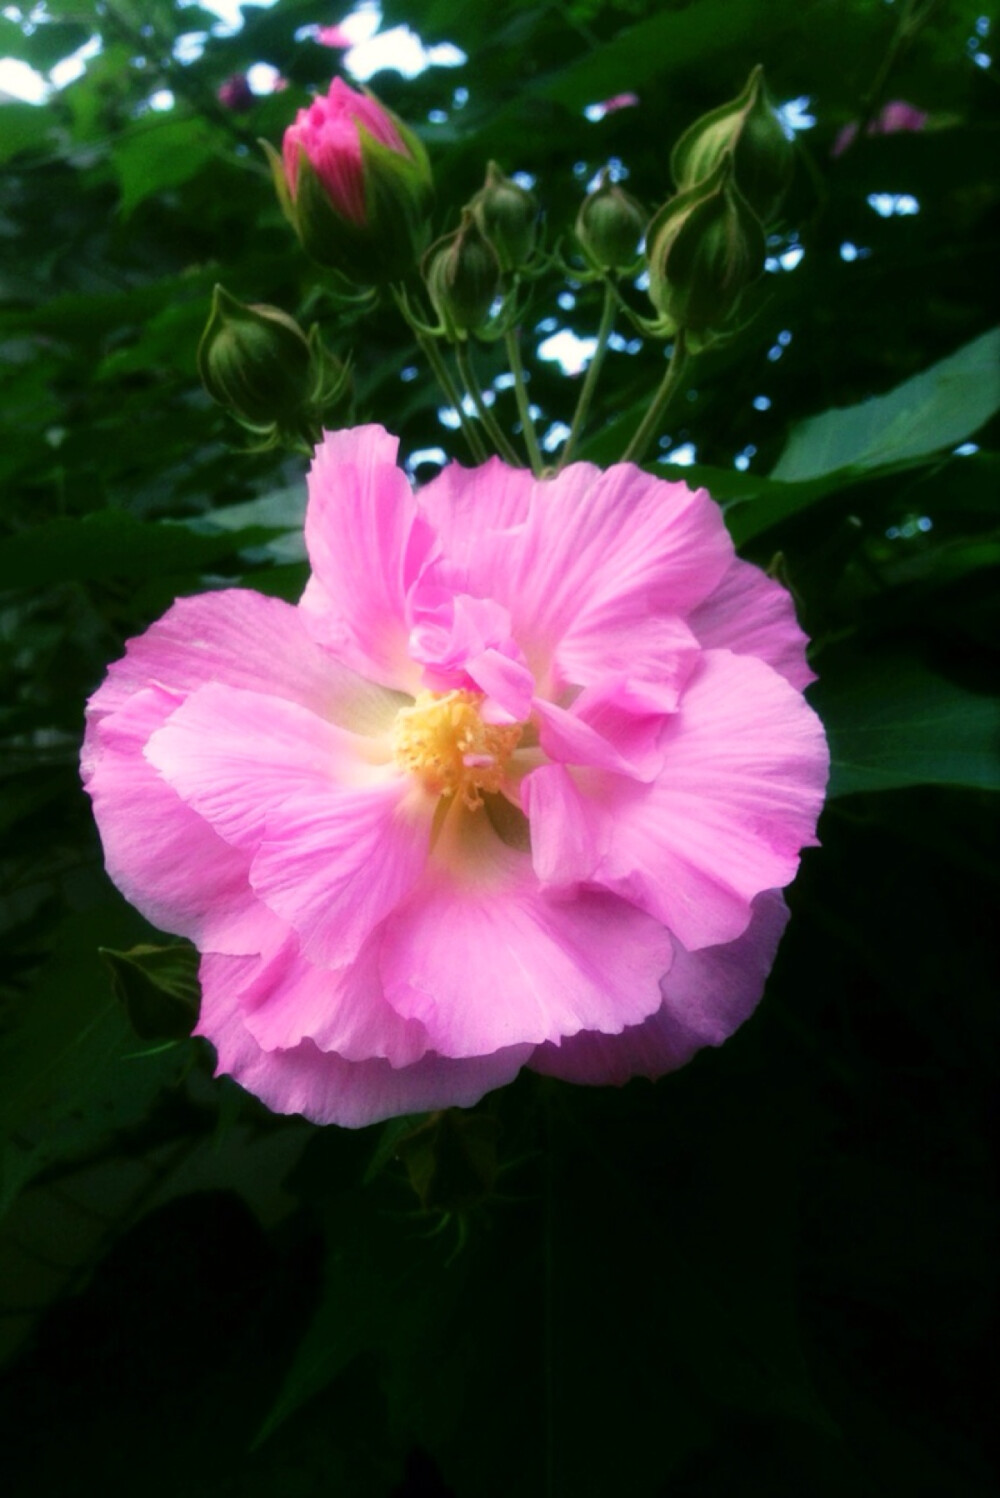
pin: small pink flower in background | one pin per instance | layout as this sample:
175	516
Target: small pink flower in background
329	134
333	36
893	117
518	782
596	112
236	94
898	115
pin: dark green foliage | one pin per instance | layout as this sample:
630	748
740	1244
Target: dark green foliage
767	1274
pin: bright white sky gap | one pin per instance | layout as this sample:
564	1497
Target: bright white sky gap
399	48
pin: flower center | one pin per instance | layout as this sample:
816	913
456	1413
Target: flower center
444	741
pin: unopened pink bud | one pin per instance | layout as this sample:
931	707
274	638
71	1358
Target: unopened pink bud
329	134
356	185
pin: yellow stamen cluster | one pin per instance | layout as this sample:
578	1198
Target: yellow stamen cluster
443	740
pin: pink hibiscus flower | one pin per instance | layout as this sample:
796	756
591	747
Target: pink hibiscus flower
518	782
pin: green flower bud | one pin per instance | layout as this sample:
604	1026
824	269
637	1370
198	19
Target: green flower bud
257	362
748	129
356	186
704	247
462	274
507	215
254	360
609	226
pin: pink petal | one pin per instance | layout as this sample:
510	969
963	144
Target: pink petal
657	651
461	503
631	715
336	844
752	614
567	843
448	628
570	740
235	757
334	864
706	996
485	960
287	999
592	553
745	766
162	856
367	546
245	640
322	1085
467	642
508	684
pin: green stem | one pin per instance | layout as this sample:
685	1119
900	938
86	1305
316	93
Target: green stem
443	376
636	450
521	396
463	357
590	383
913	17
453	395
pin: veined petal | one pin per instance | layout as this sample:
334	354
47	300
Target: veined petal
322	1085
163	857
751	614
287	999
334	864
241	639
656	655
235	757
508	684
463	503
367	546
706	996
484	959
570	740
463	641
567	844
591	554
745	767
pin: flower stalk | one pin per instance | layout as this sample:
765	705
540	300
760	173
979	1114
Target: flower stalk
646	431
582	411
463	358
442	374
523	405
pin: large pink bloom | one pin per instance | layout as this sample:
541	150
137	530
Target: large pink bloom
518	782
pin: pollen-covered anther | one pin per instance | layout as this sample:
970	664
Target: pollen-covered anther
443	740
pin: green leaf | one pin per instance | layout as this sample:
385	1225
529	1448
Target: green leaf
112	543
23	126
893	721
158	153
68	1069
935	410
383	1282
282	512
158	987
671	41
42	44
